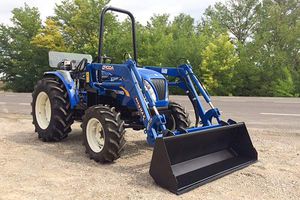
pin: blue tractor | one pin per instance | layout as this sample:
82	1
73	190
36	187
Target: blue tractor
108	98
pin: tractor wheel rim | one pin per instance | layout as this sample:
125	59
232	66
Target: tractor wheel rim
95	135
43	110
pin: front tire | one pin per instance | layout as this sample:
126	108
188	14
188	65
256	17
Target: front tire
51	110
178	119
103	132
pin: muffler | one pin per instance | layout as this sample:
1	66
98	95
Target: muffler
181	163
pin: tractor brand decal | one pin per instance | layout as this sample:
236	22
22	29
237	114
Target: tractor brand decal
125	91
140	109
87	77
107	68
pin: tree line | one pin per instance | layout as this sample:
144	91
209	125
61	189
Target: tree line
240	47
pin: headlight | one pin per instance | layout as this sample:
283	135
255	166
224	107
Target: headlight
150	89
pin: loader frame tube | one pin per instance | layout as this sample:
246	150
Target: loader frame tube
188	81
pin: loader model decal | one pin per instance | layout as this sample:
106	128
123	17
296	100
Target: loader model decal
140	109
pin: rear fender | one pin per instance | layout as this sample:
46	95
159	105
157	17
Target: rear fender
69	84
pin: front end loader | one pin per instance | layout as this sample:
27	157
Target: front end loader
108	98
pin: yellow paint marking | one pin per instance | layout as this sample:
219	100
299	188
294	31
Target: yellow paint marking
87	77
125	91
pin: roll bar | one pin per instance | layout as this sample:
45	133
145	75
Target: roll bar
105	9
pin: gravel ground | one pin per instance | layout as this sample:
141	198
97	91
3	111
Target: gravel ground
32	169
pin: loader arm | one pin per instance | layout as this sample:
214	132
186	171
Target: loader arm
190	84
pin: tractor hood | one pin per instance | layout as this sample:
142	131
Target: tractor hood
159	83
149	74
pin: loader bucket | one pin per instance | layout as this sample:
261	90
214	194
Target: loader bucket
181	163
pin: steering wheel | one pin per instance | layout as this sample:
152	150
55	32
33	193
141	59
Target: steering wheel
81	65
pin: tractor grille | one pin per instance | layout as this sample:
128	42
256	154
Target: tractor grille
160	87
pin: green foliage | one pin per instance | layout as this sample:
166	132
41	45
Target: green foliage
237	16
285	85
157	41
240	47
276	44
246	76
20	61
219	59
267	34
50	37
79	24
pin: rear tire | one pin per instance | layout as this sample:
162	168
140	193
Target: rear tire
51	110
178	119
103	132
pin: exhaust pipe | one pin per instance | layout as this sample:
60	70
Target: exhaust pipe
183	162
